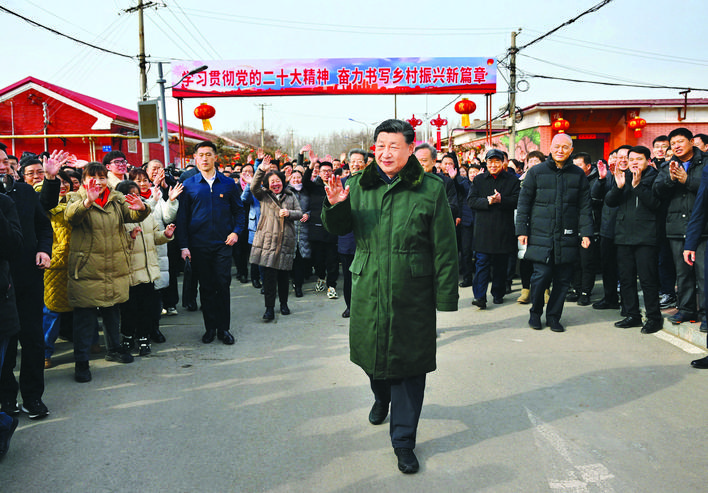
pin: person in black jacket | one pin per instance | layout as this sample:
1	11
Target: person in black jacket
678	184
636	231
28	274
493	196
553	212
10	245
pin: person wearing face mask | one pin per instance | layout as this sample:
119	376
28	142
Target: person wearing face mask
274	243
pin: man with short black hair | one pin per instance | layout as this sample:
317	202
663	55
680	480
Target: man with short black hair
209	221
117	165
659	145
701	141
678	184
636	237
404	268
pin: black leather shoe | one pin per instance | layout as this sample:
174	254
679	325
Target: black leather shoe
269	314
535	321
603	304
652	326
584	300
191	306
466	283
225	337
209	336
498	301
243	279
407	461
284	309
256	284
572	296
701	364
555	325
629	322
482	304
298	292
378	413
157	336
345	314
667	301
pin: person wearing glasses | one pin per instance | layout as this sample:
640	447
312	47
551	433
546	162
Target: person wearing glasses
117	165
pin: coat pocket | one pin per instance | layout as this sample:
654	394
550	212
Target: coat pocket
359	262
421	265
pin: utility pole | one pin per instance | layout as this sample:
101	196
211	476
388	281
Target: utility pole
262	107
142	64
512	94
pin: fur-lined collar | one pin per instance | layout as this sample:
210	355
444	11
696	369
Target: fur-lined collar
411	175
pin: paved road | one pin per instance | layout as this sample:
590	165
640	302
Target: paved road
509	409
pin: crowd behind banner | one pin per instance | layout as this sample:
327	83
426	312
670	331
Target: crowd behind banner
91	247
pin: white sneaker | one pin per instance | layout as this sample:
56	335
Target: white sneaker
332	294
164	312
321	285
172	311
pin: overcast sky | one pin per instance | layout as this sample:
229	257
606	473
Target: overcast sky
626	41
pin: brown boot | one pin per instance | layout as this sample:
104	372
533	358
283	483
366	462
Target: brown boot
524	298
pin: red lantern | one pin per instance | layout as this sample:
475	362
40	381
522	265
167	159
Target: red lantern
464	107
560	125
414	123
204	112
637	124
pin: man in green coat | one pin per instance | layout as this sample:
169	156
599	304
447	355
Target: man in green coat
404	268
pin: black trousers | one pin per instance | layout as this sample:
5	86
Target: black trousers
30	301
347	260
138	314
690	280
467	265
406	398
274	279
326	261
301	266
667	269
642	260
586	268
543	274
242	251
525	271
170	294
212	267
608	259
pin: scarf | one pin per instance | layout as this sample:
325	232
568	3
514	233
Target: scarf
296	186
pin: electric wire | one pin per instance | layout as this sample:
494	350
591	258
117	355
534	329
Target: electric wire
76	40
190	31
199	31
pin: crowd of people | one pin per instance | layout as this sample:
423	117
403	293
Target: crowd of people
87	241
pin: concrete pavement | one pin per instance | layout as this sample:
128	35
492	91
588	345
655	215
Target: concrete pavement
283	410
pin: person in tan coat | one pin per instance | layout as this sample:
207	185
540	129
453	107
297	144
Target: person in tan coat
99	266
275	241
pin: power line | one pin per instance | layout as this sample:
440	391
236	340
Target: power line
199	31
617	84
566	23
34	23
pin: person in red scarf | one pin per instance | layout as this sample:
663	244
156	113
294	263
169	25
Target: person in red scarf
99	266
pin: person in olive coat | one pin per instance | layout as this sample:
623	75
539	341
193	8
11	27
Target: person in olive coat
405	266
636	233
493	196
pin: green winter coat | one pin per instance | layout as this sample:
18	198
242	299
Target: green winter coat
99	263
404	268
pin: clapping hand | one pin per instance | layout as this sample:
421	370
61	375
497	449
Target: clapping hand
602	169
619	177
170	230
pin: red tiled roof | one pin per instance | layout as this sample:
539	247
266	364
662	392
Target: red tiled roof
111	110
